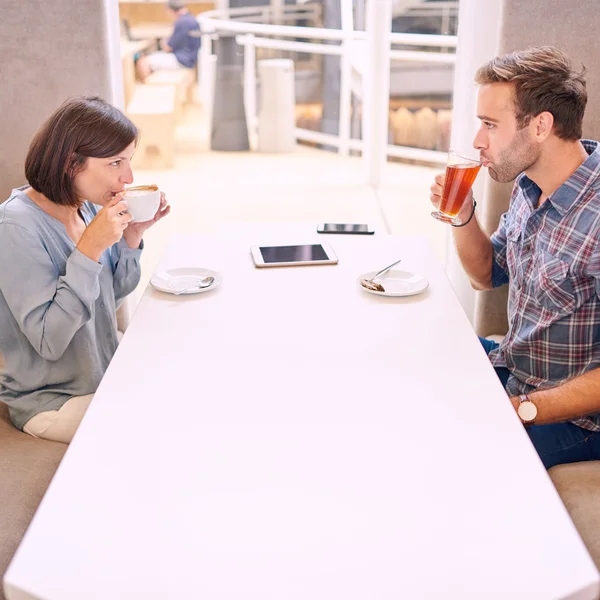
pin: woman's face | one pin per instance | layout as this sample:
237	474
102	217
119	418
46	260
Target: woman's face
102	178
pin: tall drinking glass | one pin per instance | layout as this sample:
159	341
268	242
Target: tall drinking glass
460	175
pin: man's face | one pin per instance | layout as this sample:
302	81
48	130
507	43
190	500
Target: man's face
504	149
102	178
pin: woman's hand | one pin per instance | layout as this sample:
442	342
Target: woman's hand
135	231
105	229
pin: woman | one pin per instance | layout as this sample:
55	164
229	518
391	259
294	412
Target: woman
69	256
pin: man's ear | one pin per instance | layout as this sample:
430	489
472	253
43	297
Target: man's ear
544	122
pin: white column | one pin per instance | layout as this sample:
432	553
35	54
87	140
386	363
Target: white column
117	98
277	11
113	47
345	75
478	37
250	90
376	89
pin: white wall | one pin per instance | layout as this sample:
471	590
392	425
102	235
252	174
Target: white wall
478	41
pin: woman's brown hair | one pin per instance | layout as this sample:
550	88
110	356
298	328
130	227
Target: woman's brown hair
543	81
82	127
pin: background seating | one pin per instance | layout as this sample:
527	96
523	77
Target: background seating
579	487
153	109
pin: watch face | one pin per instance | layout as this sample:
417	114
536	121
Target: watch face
527	411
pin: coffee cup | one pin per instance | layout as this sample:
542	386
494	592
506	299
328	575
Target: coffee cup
142	202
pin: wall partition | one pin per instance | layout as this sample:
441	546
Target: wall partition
50	51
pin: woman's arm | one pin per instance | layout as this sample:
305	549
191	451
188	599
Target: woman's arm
48	306
126	270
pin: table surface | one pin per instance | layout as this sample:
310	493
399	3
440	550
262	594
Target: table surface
288	435
151	30
129	48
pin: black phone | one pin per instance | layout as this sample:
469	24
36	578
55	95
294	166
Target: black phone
349	228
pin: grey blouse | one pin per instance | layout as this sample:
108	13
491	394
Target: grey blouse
58	329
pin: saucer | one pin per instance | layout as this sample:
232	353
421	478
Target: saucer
173	280
396	283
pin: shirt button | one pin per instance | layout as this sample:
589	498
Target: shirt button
101	304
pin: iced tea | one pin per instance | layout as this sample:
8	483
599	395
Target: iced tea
459	180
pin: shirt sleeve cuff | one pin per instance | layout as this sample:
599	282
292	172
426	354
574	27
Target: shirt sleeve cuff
124	251
82	277
84	263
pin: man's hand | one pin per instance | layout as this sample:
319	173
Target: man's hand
164	46
436	197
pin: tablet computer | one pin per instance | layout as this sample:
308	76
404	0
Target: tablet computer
288	256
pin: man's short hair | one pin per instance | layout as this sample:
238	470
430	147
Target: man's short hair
176	5
543	81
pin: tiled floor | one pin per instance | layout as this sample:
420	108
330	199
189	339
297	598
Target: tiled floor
207	189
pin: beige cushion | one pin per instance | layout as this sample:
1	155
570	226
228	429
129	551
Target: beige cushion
26	468
579	487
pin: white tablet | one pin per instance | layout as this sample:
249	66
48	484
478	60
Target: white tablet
288	256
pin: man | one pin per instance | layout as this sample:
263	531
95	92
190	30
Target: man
547	247
180	51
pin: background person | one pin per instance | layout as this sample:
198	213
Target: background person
180	50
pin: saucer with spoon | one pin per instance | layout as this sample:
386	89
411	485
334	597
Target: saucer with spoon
186	280
397	282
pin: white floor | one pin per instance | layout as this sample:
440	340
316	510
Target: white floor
207	189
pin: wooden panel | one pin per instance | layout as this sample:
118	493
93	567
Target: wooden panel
156	12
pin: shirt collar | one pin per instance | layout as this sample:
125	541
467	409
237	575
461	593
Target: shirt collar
564	197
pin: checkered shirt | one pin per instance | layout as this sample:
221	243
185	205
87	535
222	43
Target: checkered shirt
550	256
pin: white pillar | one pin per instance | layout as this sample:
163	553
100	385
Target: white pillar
376	89
345	76
478	38
113	47
277	11
250	90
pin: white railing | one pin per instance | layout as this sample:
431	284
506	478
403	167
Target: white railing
252	24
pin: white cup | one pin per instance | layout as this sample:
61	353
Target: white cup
142	202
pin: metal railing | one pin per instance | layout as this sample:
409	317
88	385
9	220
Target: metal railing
254	29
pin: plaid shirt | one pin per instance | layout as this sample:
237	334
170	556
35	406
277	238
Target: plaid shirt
551	257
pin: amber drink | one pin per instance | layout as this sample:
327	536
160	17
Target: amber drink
460	175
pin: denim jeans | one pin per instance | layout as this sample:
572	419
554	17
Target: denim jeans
556	443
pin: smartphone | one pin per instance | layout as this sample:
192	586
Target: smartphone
350	228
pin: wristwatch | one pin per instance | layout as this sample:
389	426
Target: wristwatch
527	410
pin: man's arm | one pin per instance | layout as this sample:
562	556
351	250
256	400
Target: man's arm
473	245
178	38
576	398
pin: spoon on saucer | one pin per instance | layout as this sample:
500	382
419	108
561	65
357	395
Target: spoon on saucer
203	283
370	283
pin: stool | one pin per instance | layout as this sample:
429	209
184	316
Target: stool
152	109
182	79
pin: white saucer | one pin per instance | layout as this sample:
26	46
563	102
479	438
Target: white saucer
173	280
396	283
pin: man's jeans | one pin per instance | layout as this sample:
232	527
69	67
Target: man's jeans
556	443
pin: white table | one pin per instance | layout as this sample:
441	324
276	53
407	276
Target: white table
289	436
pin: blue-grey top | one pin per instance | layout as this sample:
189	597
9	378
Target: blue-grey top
58	328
